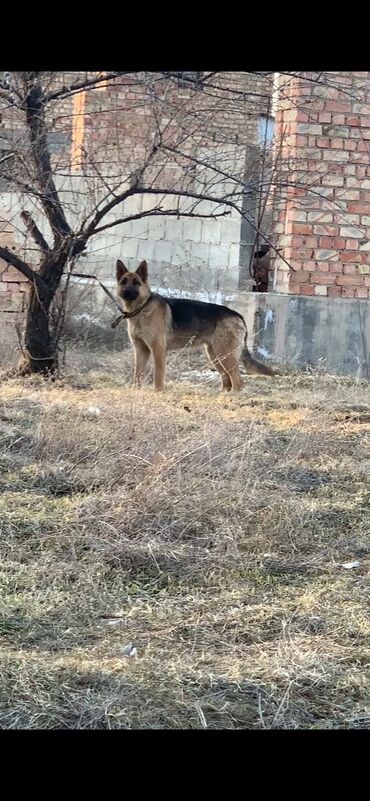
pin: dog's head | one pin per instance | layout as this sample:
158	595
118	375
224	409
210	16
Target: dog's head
132	286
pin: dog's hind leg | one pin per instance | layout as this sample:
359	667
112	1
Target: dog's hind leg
226	358
227	345
231	366
226	380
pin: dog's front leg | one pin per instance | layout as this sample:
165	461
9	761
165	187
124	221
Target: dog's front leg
142	354
159	359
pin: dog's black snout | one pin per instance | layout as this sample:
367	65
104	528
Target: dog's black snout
130	293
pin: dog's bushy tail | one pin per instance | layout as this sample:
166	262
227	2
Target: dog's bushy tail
253	366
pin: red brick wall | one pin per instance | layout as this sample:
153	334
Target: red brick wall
13	285
322	219
120	119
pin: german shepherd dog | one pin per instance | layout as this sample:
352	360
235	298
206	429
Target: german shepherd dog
157	324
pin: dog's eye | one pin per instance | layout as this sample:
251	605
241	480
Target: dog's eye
135	282
123	280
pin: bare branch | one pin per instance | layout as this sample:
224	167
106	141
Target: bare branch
209	85
203	163
6	95
6	157
34	231
10	94
23	268
34	103
160	213
88	83
135	188
105	210
23	187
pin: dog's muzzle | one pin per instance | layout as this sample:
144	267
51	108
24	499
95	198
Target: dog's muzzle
130	294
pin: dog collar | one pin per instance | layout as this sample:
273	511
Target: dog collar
126	315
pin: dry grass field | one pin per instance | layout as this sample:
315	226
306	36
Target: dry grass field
208	530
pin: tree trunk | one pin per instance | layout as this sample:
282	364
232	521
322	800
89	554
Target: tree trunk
41	351
40	356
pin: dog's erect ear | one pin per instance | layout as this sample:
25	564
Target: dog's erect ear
120	269
142	271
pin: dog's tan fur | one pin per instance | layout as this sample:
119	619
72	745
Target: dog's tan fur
154	329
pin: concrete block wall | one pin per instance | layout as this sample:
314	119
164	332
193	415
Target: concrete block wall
181	252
